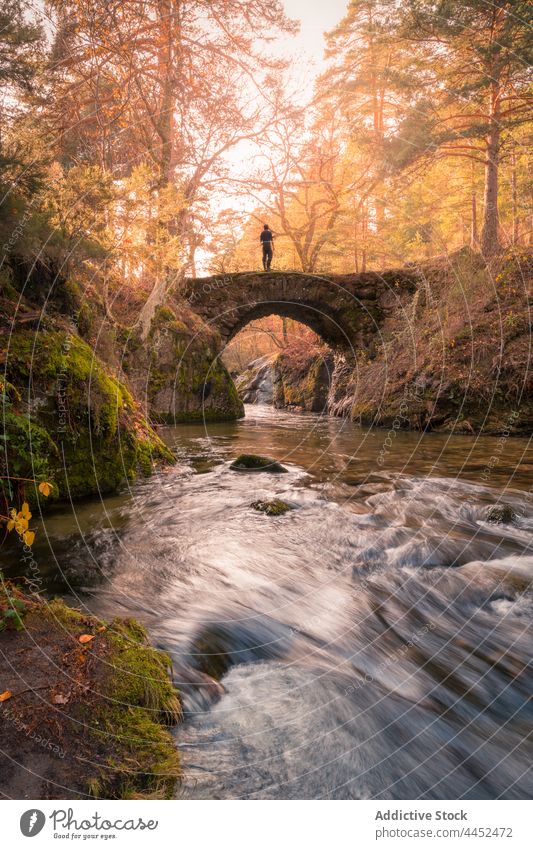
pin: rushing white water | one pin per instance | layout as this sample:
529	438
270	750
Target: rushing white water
374	642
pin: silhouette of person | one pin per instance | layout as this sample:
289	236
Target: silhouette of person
267	241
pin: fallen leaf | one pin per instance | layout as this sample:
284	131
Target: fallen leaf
5	695
59	699
102	628
86	638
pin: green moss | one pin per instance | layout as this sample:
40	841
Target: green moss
70	363
256	463
163	315
502	514
68	295
85	320
29	452
138	701
185	381
128	710
275	507
88	435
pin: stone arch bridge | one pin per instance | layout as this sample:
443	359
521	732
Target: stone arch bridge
346	311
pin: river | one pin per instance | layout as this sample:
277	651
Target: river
374	642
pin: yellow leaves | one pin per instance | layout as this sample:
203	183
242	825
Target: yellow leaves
85	638
5	695
19	521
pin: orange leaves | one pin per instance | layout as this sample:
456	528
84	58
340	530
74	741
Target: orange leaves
85	638
19	521
45	488
5	695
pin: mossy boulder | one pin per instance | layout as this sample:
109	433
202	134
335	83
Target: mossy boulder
98	708
275	507
502	514
72	422
177	373
302	377
210	654
256	463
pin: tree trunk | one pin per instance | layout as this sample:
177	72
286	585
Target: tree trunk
514	193
364	233
154	299
489	233
168	61
474	236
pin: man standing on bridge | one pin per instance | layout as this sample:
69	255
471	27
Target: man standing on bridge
267	240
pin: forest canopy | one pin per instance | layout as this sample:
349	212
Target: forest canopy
145	141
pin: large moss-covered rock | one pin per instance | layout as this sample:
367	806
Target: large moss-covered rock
69	419
274	507
177	374
302	379
88	704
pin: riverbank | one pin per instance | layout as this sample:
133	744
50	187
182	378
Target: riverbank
457	359
85	705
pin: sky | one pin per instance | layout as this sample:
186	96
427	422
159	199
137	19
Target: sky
317	17
305	53
306	50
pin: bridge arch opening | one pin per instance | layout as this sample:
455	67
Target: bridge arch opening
321	322
277	360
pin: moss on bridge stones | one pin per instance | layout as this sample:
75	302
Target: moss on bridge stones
345	310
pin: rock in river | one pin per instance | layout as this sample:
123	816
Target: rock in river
275	507
255	463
